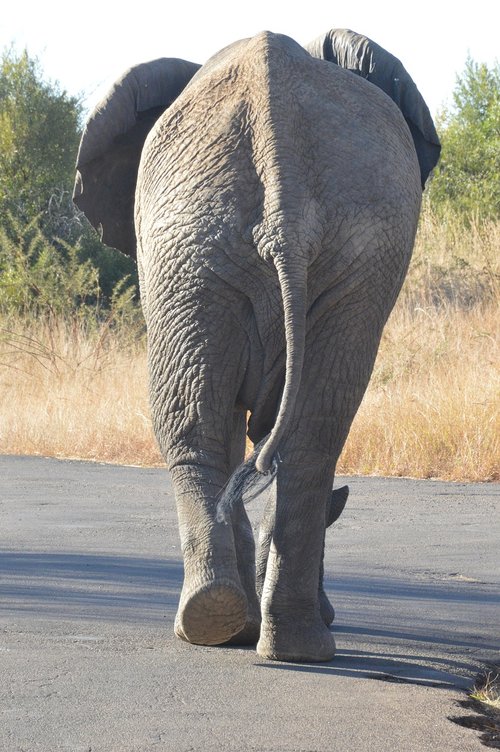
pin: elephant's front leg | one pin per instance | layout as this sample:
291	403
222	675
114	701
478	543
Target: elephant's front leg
292	625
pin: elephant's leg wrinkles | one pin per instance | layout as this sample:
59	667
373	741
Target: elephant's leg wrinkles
244	542
199	451
293	622
292	625
213	603
334	509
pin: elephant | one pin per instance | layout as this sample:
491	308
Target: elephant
365	58
275	199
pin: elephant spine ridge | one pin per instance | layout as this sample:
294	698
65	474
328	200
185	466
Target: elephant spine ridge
280	238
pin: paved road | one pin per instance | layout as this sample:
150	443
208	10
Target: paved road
90	573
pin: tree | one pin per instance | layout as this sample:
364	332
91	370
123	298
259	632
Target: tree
40	128
466	178
39	134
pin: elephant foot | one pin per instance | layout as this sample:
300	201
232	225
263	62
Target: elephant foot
325	608
212	613
249	635
287	640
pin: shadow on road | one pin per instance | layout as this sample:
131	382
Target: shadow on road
145	591
389	667
89	586
401	589
359	665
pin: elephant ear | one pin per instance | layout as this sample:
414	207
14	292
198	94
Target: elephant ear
365	58
112	142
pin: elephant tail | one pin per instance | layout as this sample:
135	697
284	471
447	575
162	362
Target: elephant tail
292	275
258	472
245	481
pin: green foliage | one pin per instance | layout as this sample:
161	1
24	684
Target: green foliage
467	177
42	278
36	277
39	135
63	221
114	267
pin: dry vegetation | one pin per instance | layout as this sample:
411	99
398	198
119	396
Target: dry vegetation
431	410
70	391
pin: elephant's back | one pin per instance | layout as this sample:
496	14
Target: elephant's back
264	111
359	137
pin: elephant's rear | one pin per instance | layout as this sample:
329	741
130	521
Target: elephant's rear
265	133
276	205
285	176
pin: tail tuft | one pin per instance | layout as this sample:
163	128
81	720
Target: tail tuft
246	481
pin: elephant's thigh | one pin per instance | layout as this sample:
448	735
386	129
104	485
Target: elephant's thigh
197	351
340	353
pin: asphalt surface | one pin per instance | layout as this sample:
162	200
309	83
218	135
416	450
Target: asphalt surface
90	575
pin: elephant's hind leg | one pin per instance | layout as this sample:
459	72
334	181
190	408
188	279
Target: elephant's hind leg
197	357
213	603
244	542
293	628
333	511
341	349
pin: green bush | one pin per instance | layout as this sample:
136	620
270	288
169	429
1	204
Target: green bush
36	276
53	279
466	180
40	129
39	135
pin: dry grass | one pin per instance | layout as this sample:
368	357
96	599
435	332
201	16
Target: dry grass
66	391
484	702
487	688
431	409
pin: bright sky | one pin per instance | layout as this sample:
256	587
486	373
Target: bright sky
88	45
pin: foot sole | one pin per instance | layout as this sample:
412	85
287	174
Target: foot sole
211	614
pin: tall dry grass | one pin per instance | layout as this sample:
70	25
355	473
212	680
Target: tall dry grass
70	390
432	407
431	410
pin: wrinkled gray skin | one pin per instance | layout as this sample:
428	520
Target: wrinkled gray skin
364	57
276	207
